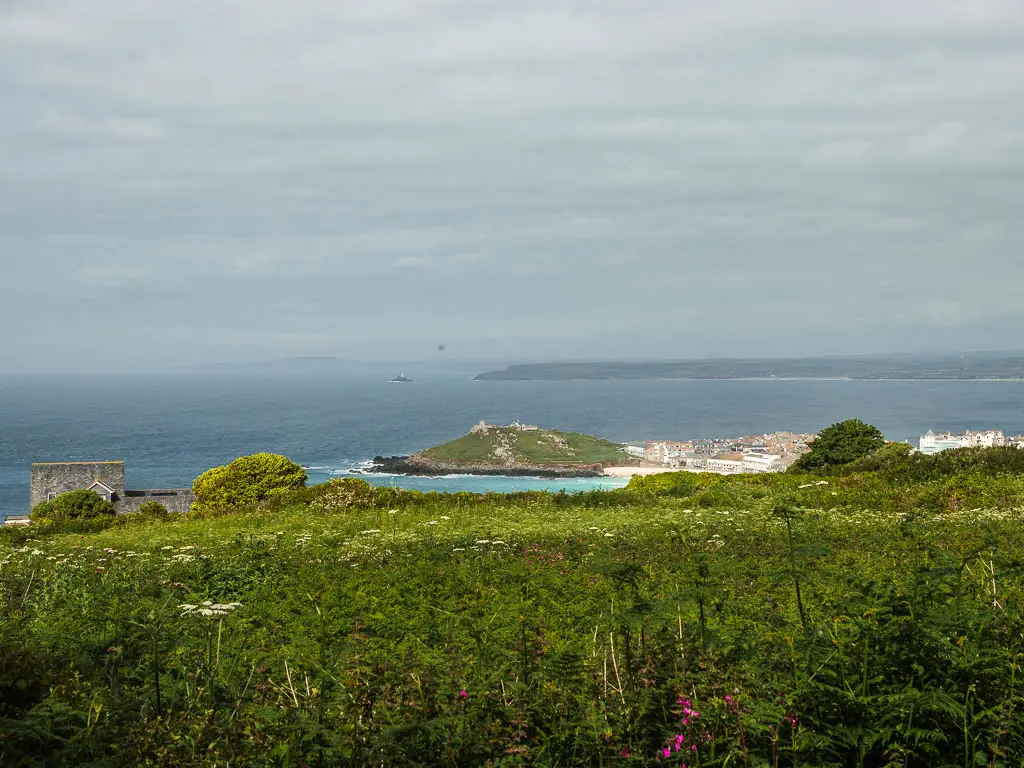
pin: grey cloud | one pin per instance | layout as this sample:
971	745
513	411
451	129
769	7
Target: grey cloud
222	180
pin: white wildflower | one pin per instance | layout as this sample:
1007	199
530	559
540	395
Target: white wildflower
208	609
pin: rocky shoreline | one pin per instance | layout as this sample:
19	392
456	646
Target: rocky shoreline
421	466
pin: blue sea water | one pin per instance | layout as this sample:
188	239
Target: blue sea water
169	429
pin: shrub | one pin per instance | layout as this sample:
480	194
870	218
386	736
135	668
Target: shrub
152	509
246	481
991	462
680	484
889	457
73	505
344	493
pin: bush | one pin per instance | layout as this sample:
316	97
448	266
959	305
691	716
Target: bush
246	481
889	457
343	493
73	505
152	509
991	462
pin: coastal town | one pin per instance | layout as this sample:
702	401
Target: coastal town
775	452
749	454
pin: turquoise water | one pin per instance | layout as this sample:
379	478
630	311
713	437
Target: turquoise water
478	484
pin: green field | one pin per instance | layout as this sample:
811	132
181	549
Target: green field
540	447
868	619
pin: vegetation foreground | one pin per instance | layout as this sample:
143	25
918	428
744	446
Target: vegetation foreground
869	617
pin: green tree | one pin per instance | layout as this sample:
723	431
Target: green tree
840	444
246	481
73	505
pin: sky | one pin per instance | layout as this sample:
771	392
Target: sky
223	180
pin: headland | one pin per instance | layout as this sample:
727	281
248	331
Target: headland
513	450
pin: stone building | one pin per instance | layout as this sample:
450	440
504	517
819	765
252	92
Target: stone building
50	479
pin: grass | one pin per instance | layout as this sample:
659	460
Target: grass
782	620
540	447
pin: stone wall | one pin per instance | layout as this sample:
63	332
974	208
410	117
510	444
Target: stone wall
51	479
175	499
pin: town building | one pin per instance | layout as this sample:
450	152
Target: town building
48	480
668	453
757	463
725	466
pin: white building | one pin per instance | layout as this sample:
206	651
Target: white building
725	466
760	462
931	442
636	451
668	453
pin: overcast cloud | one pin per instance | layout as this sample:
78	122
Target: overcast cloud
202	180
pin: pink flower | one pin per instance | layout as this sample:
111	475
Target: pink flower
463	694
728	699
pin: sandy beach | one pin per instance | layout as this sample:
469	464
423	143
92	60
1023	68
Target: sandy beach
633	471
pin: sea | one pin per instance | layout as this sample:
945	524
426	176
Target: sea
168	429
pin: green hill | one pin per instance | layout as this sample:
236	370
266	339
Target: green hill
535	447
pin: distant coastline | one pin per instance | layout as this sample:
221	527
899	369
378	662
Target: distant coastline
978	366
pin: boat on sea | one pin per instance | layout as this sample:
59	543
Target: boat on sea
400	378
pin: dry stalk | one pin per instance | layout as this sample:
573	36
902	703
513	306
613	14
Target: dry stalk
615	664
291	687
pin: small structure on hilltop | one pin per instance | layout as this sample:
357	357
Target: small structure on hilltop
483	427
50	479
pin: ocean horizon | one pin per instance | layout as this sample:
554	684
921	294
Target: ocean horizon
169	429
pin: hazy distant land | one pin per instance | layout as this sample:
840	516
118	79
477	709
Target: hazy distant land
971	366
